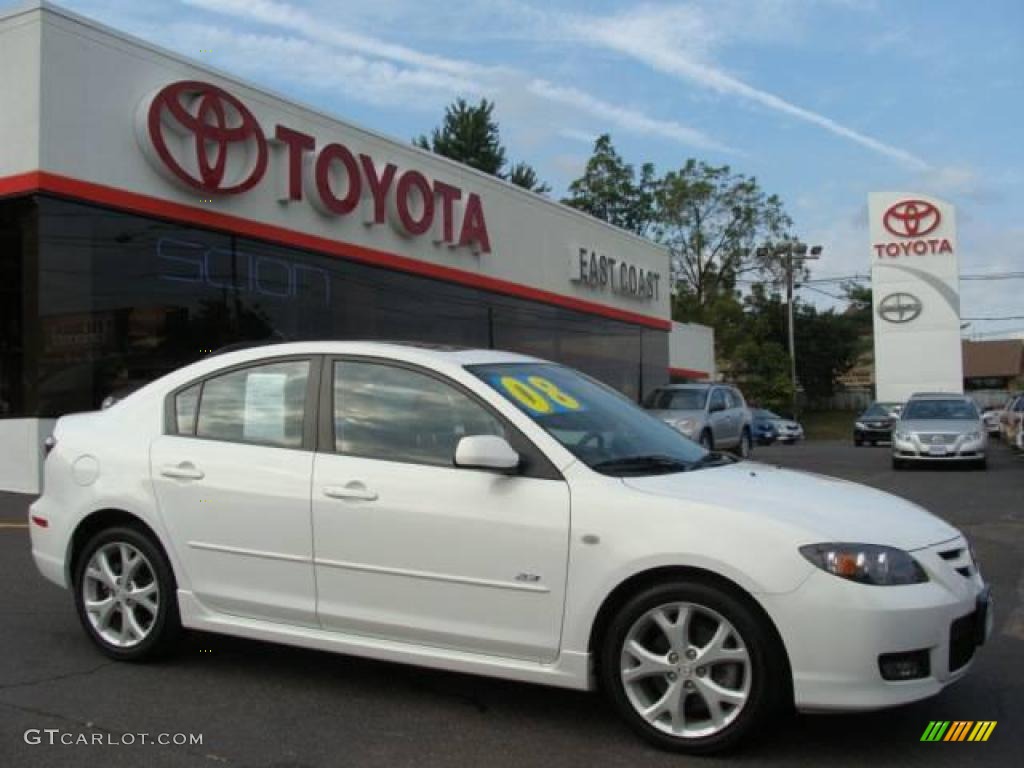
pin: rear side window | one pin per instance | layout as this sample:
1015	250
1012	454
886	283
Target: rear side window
264	404
185	410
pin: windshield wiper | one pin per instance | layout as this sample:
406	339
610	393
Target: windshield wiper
643	464
713	459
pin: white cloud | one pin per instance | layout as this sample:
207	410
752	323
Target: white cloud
402	67
631	120
651	34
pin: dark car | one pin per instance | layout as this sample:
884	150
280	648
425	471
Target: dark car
875	424
763	426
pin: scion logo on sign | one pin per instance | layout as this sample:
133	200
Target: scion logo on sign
205	138
912	218
899	308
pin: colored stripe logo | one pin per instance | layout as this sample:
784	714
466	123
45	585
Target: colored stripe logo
959	730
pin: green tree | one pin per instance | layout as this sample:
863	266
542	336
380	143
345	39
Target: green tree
761	369
523	175
610	190
470	135
718	226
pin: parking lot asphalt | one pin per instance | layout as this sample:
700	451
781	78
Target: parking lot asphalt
264	705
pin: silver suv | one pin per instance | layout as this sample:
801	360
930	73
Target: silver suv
715	415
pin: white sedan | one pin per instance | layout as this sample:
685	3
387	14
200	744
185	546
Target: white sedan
487	512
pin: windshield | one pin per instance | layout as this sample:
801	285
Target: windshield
594	422
678	400
877	412
920	410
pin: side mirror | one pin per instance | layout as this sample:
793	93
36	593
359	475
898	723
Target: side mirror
486	452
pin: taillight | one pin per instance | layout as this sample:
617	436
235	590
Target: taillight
49	444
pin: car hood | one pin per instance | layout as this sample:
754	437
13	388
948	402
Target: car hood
940	425
677	415
817	508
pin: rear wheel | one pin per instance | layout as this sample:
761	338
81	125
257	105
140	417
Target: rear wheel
126	596
691	667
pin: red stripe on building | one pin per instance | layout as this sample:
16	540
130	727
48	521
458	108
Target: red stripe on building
689	373
133	202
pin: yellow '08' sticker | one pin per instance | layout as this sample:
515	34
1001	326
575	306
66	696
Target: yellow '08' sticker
539	394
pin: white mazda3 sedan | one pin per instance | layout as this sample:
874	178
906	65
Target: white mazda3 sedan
491	513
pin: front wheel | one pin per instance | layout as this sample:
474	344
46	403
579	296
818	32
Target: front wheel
126	596
691	668
746	446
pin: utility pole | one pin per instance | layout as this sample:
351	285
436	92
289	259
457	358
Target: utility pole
795	255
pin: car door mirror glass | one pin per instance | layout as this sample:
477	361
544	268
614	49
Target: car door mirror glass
485	452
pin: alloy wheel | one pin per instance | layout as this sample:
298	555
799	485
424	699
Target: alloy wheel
120	594
685	670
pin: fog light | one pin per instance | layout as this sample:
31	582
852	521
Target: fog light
911	665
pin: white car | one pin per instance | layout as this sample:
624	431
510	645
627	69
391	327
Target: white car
491	513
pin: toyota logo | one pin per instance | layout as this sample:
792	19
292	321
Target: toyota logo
911	218
899	308
205	138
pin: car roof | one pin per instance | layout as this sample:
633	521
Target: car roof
939	396
692	385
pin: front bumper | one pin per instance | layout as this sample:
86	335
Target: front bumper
868	434
912	449
836	630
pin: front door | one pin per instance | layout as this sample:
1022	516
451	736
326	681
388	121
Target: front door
233	484
410	547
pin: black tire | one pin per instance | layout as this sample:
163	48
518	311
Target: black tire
898	464
165	627
746	447
981	464
858	442
770	686
707	441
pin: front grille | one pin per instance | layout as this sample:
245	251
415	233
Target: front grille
936	438
961	642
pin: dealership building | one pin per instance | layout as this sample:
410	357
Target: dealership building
153	210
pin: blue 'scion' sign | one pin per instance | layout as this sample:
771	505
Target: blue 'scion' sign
196	263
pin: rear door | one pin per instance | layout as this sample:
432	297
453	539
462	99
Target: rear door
410	547
232	478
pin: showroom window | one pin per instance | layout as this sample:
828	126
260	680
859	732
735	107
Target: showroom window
396	414
263	404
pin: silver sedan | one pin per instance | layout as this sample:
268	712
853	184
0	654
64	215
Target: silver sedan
939	427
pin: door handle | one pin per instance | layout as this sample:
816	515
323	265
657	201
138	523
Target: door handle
186	470
354	491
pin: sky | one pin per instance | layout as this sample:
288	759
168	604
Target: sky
823	101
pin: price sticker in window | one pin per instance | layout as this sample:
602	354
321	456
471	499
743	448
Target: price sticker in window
538	395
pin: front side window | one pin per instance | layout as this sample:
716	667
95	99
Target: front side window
718	400
596	424
396	414
262	404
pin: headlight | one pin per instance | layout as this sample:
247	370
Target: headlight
859	425
901	435
866	563
972	436
683	425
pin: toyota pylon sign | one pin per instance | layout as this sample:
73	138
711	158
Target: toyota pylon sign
916	294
